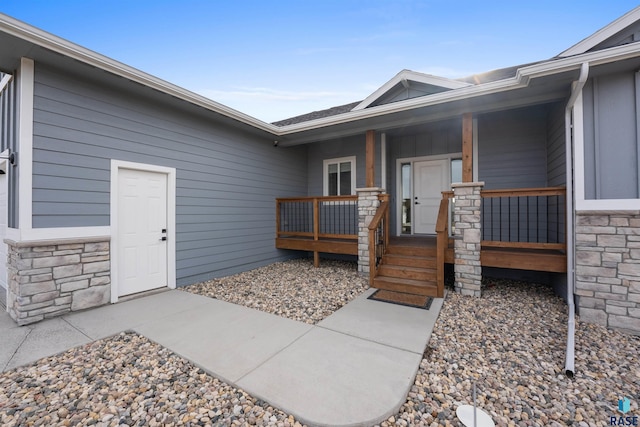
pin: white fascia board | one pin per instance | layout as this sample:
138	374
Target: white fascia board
59	45
603	34
523	75
409	75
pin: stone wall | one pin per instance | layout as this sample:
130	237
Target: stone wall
608	269
47	279
467	238
368	202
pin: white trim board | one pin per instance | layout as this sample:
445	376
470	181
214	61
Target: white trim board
603	34
26	76
171	220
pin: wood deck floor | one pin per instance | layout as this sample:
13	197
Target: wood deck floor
513	258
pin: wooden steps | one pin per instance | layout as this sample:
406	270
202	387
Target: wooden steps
408	268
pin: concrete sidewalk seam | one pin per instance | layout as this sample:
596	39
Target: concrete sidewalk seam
4	368
275	354
370	340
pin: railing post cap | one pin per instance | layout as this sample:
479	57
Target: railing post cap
369	189
467	184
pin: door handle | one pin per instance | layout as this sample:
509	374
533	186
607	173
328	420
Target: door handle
416	203
163	238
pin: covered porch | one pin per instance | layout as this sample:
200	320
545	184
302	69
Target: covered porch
442	186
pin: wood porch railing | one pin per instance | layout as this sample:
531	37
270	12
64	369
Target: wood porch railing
525	218
319	224
378	236
522	228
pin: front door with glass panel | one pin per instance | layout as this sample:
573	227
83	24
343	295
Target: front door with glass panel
430	179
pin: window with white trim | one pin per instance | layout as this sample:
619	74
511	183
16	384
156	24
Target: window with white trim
339	176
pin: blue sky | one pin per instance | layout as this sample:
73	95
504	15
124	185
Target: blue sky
276	59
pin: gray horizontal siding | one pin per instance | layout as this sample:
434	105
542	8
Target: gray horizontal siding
611	137
343	147
556	155
512	149
435	139
227	179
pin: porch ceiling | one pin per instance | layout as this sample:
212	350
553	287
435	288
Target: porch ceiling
539	91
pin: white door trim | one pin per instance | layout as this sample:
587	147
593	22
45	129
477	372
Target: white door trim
116	165
411	160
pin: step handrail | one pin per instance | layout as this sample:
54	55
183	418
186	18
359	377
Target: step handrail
442	241
378	236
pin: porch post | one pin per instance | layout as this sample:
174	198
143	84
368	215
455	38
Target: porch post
368	202
467	238
370	156
467	147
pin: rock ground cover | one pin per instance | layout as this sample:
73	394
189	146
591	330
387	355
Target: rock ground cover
511	342
293	289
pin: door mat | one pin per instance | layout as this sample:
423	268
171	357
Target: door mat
401	298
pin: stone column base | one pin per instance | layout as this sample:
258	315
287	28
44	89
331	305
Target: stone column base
368	202
50	278
467	238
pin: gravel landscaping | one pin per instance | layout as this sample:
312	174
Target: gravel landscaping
511	342
293	289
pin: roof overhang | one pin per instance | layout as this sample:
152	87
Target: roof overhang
29	41
603	34
406	76
549	71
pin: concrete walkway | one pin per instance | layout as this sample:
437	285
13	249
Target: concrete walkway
353	368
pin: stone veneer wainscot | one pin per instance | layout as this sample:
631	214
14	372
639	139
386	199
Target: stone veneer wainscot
50	278
368	202
608	269
467	237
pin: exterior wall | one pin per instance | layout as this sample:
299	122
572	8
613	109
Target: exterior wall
49	279
611	137
437	138
8	140
608	269
512	148
343	147
556	150
227	179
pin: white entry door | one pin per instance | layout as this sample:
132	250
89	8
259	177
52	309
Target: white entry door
142	231
430	179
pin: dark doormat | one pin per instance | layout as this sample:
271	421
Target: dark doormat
401	298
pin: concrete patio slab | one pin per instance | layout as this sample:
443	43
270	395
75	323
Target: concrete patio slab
398	326
328	378
111	319
225	339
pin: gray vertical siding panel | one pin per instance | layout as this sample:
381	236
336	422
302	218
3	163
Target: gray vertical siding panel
8	140
227	179
512	149
611	142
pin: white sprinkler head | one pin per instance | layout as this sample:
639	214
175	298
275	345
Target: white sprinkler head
465	415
